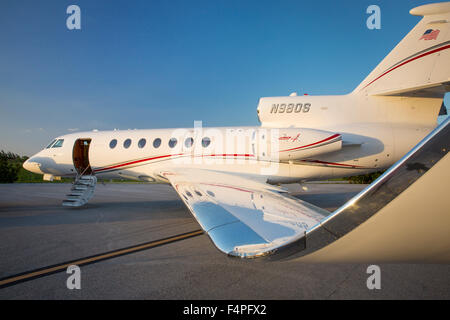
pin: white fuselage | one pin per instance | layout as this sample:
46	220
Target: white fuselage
333	136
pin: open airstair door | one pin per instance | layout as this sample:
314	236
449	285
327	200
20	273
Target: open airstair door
81	156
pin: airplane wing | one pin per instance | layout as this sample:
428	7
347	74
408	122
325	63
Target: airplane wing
244	217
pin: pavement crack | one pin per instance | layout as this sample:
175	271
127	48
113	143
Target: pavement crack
338	286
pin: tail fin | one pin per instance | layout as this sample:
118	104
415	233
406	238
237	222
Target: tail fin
420	64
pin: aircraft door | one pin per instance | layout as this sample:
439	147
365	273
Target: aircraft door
80	156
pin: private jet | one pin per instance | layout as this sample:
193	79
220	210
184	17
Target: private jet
229	177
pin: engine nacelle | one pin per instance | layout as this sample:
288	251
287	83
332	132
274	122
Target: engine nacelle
302	143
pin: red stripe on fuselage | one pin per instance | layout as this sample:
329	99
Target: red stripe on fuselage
134	162
169	155
312	144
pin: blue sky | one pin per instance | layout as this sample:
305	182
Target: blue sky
155	64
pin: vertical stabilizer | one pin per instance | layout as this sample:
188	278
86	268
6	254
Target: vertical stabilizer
420	64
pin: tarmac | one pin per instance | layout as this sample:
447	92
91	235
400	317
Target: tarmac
37	232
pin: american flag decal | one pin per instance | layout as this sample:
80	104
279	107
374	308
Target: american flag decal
430	34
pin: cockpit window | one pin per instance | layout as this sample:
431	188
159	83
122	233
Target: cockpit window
51	143
58	143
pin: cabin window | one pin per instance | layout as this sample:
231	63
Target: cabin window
156	143
142	143
206	142
51	143
127	143
58	143
189	142
113	143
172	142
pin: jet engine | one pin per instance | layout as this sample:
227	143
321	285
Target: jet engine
302	143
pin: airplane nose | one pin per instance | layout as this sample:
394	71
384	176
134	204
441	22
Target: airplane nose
32	166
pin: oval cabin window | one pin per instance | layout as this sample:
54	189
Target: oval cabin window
127	143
